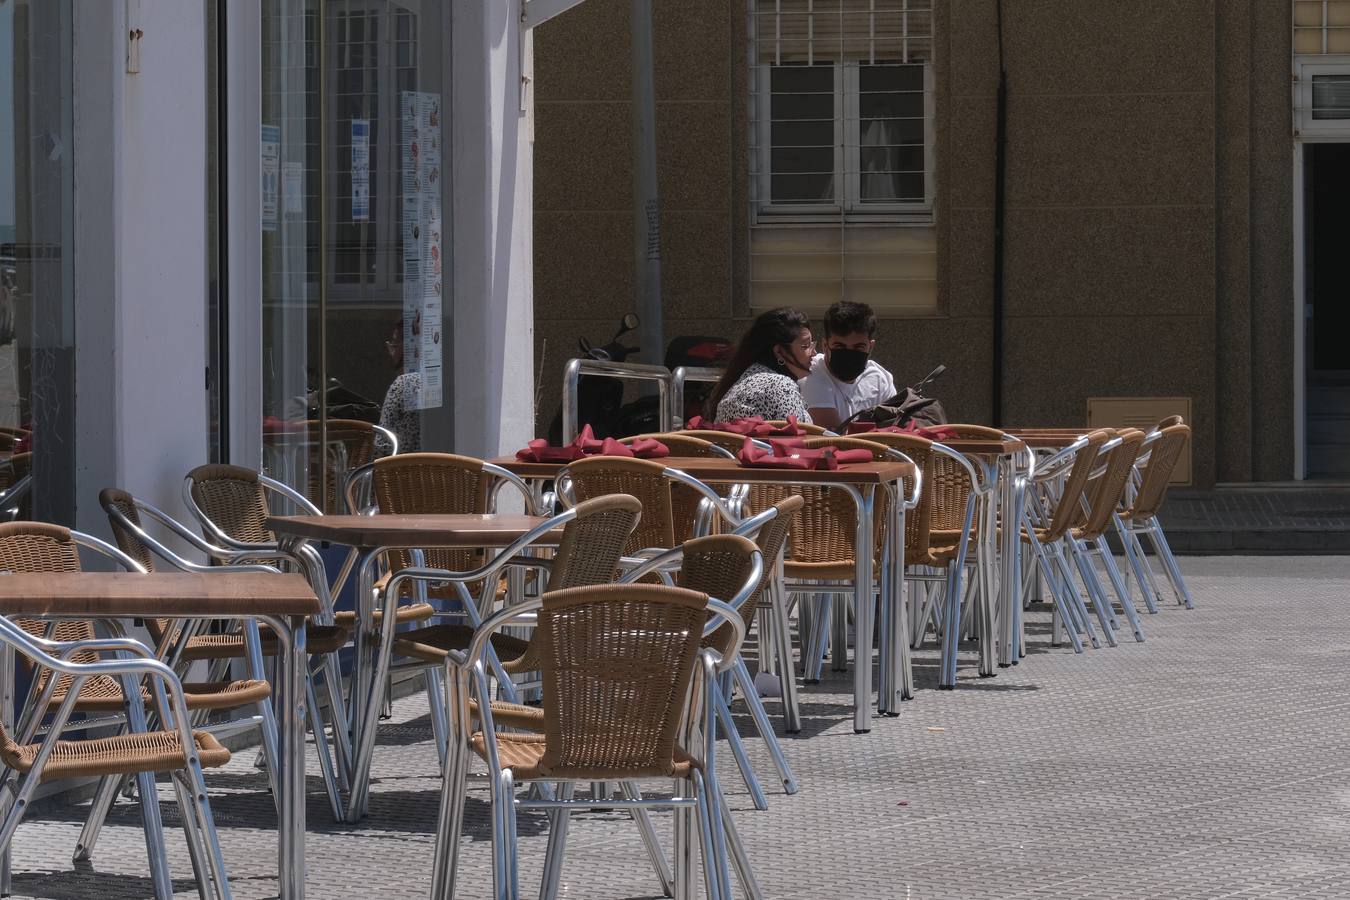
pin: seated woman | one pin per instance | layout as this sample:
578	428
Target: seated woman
761	379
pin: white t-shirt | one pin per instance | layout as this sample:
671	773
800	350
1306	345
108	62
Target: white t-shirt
821	390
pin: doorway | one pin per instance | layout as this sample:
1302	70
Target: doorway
1326	183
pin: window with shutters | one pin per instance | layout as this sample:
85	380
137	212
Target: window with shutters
841	154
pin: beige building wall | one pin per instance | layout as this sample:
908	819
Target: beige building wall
1148	221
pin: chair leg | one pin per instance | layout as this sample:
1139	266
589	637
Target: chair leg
450	820
108	789
951	630
716	878
557	845
153	826
764	726
1076	601
1145	566
1130	545
685	821
316	725
738	752
1061	606
1170	563
739	858
839	634
814	649
649	840
200	866
1118	584
1100	605
436	706
787	672
504	881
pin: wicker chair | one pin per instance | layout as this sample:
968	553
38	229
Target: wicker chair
618	664
721	566
182	645
140	752
1139	516
36	547
939	540
588	553
1054	507
1102	497
686	443
231	504
670	517
806	427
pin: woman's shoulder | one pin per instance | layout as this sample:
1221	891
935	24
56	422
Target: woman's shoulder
760	374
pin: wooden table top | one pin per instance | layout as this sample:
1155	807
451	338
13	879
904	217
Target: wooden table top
728	471
160	594
471	531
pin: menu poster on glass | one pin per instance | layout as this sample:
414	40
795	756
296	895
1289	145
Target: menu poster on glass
360	170
270	152
422	251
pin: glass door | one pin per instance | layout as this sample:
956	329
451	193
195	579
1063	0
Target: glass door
356	309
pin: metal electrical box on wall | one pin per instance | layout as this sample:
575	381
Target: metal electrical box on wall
1143	413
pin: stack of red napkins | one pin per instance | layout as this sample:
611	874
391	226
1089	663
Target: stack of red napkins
755	426
586	444
790	454
933	433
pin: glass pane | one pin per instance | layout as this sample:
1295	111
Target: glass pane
354	238
891	133
1331	97
802	134
37	326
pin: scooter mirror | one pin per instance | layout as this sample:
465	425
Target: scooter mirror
630	322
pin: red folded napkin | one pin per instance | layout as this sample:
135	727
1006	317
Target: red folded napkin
752	426
789	454
586	444
861	427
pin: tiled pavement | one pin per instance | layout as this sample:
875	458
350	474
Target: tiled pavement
1212	761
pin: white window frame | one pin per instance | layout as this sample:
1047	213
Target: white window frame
1305	70
847	140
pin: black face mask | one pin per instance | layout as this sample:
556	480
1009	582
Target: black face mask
847	365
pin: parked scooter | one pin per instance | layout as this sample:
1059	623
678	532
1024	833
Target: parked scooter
600	399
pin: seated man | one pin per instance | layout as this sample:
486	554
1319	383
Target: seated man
843	380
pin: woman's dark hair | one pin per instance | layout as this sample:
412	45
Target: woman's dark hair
772	329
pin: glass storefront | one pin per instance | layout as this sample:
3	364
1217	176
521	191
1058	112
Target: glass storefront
354	147
37	327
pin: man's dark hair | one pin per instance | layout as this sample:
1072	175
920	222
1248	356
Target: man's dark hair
847	317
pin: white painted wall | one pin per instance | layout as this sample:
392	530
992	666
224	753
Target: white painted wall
493	170
140	218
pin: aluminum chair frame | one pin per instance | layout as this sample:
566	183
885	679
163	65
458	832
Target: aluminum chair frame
467	676
1131	533
189	784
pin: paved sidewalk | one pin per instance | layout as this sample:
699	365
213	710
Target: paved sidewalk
1211	761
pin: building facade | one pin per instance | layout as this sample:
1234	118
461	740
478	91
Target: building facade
1158	204
226	225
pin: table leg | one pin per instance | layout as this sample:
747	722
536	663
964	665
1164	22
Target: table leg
984	612
1010	583
7	719
864	500
897	676
291	821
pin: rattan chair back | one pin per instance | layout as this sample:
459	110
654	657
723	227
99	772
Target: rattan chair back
350	445
1068	512
131	545
599	476
616	661
446	483
918	521
804	427
724	439
234	499
719	565
592	543
973	432
683	444
1164	454
1168	422
1104	495
37	547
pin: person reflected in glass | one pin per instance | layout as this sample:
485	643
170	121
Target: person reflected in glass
399	412
844	378
761	378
